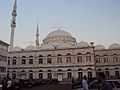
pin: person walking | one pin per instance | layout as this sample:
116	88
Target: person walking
9	84
84	83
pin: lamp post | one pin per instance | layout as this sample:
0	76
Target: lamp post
92	45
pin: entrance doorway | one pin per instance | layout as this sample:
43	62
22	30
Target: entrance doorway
60	77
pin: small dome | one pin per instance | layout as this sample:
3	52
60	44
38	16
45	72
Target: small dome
114	46
30	47
16	49
99	47
82	44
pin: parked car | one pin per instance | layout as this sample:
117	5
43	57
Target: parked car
53	81
114	84
16	84
76	84
95	85
26	83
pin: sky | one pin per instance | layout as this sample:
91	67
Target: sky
86	20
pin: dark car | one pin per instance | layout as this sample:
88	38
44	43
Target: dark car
26	83
114	84
16	84
53	81
76	84
44	81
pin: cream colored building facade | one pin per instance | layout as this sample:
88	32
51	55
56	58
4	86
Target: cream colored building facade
3	58
60	56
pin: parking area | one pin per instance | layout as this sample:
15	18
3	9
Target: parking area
51	87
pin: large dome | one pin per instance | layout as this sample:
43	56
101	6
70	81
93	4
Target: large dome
59	33
59	36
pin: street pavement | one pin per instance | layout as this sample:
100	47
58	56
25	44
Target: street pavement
51	87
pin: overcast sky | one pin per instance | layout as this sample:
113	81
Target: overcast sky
86	20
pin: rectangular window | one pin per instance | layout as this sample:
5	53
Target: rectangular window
30	61
59	60
69	75
40	61
40	76
23	61
88	58
49	60
8	62
68	59
79	59
30	75
115	59
13	75
49	76
105	59
14	62
97	59
2	69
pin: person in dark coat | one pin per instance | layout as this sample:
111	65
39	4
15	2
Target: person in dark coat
4	83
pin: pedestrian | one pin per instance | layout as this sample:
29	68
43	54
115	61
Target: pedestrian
84	83
9	84
104	85
4	83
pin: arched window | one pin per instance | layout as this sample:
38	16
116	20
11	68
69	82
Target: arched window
79	59
80	74
14	75
8	60
69	74
49	59
99	70
30	59
49	75
68	58
97	58
115	58
69	70
88	58
14	60
87	52
60	70
89	75
59	58
117	74
105	58
23	60
107	73
89	68
30	74
40	59
79	53
40	74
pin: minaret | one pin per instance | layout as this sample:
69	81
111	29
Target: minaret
13	24
37	37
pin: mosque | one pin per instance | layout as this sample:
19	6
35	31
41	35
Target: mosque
61	57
